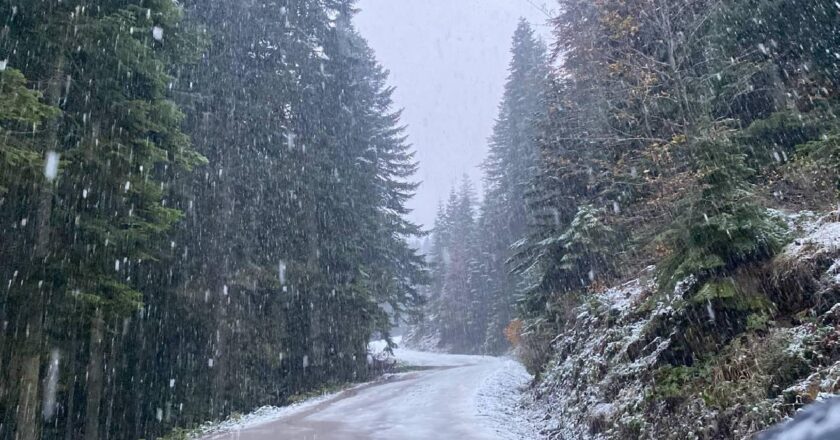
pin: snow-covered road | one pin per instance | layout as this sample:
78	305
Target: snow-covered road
457	397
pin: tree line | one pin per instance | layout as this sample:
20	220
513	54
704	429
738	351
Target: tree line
472	295
655	133
201	211
672	128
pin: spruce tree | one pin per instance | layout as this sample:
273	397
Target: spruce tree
509	168
119	141
23	181
722	225
455	295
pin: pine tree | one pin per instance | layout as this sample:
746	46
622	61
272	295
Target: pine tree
22	178
788	35
455	295
472	292
722	226
239	208
509	168
119	139
22	114
564	182
292	248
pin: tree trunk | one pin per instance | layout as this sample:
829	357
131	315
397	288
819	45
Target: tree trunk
94	381
70	423
8	381
27	421
27	408
220	354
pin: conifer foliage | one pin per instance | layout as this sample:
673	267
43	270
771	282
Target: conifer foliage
474	297
202	209
672	128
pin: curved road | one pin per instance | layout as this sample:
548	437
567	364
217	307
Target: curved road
458	397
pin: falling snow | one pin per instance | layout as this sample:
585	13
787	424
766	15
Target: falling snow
51	165
606	220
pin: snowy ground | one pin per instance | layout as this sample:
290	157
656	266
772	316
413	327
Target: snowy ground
452	397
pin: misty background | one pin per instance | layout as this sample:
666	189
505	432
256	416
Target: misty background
448	61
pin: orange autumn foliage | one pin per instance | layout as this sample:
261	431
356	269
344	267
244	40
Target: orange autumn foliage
513	332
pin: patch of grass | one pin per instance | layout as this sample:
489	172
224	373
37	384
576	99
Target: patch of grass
674	383
758	321
751	368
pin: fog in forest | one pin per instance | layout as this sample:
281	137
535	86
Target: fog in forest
448	61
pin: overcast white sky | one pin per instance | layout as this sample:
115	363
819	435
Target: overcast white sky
448	60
